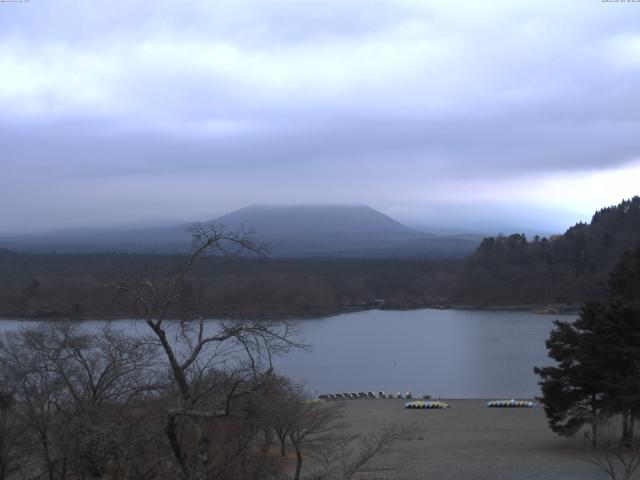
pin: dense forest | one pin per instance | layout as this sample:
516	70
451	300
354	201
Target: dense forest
48	285
505	271
564	269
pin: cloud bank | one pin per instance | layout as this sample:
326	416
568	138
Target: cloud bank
459	113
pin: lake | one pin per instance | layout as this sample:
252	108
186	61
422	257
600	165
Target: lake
444	353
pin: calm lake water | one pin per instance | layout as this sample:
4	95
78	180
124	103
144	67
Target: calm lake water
445	353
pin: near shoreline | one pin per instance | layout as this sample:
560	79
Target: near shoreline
470	441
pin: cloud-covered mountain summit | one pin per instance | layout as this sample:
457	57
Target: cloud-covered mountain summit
303	230
428	110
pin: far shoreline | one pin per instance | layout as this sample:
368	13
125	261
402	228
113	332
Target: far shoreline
563	310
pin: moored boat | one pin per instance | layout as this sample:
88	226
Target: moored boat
424	404
511	404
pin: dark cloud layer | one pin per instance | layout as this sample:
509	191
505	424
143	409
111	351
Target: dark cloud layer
520	114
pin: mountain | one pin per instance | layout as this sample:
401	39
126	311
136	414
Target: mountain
309	220
339	230
289	231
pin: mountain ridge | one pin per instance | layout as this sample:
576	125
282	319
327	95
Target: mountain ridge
290	231
314	219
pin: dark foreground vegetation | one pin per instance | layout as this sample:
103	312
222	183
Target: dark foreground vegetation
184	402
505	271
595	378
80	405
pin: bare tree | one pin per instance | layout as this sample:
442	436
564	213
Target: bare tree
104	374
617	457
311	421
71	391
281	403
343	457
10	434
36	391
315	431
189	400
244	348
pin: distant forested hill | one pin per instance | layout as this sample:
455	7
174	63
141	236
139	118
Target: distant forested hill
504	271
567	269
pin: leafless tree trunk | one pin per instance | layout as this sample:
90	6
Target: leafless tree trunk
298	462
310	422
191	351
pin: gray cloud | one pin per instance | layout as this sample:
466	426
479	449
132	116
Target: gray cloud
122	112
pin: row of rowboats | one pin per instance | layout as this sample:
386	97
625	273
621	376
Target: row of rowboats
492	404
367	395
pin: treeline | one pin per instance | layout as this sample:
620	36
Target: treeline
505	271
565	269
73	286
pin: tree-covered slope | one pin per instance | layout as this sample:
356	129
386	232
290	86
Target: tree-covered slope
564	269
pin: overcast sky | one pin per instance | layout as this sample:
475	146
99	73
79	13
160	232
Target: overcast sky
478	115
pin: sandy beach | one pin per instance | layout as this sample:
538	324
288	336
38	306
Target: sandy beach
471	441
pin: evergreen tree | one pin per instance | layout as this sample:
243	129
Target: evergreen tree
621	358
597	374
573	391
623	341
624	280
